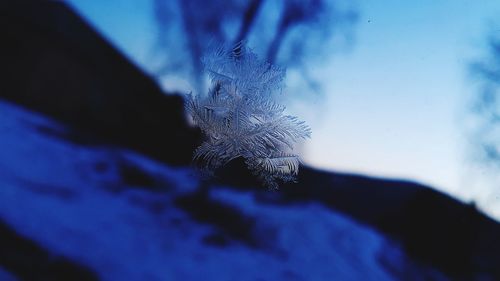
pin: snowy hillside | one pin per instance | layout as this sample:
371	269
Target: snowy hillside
116	215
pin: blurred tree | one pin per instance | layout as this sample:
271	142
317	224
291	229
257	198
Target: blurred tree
486	106
483	129
289	33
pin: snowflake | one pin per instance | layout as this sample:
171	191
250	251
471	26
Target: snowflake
240	117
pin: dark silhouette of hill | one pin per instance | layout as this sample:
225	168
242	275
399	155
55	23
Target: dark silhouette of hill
56	64
432	226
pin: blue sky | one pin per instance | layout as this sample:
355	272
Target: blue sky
394	104
398	98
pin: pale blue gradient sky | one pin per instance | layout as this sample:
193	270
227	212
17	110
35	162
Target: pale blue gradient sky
393	105
398	98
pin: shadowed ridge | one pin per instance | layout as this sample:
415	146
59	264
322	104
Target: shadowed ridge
432	226
56	64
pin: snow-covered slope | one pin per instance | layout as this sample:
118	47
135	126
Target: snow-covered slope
79	204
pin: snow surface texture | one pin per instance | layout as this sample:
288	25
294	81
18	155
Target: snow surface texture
241	117
53	194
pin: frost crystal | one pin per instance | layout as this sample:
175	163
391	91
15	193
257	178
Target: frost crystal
241	118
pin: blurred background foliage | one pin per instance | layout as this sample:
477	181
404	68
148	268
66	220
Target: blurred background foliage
295	34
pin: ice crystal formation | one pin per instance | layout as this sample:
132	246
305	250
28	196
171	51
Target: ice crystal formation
241	117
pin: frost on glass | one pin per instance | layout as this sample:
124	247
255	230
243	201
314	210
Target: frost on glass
241	117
